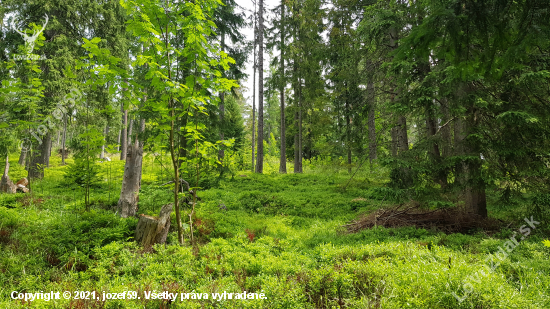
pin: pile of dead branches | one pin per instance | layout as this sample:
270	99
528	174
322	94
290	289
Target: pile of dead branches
448	220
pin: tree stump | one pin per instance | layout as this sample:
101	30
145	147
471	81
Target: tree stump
6	185
152	230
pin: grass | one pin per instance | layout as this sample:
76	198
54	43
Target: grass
281	235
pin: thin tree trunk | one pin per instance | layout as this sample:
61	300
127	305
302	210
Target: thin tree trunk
300	139
348	133
58	138
371	120
175	161
183	145
48	149
221	153
130	129
105	134
296	145
254	92
118	140
124	135
260	161
63	139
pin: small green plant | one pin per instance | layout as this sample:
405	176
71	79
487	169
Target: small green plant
82	173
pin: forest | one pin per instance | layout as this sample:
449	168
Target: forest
275	154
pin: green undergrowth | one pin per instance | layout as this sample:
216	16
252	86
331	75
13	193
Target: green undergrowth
281	235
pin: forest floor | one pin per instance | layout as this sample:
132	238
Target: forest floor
281	235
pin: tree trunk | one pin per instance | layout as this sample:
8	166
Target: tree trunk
118	140
254	92
348	134
221	153
106	133
6	185
470	171
48	149
23	156
371	121
153	230
394	138
63	154
40	157
282	157
124	135
296	146
403	139
131	182
433	150
58	138
446	130
260	160
182	150
129	137
300	139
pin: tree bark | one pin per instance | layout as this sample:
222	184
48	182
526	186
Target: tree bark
153	230
470	171
105	133
118	140
260	160
129	137
446	130
124	133
371	121
254	92
433	149
394	138
131	182
63	150
221	153
296	146
403	138
48	149
300	139
282	159
183	144
348	134
6	185
40	158
23	156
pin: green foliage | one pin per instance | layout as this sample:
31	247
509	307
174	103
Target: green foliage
82	173
280	234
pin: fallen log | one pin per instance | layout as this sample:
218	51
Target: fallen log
6	185
153	230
